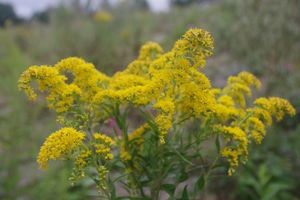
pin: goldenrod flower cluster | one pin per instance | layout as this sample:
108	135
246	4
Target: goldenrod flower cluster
242	124
82	159
83	82
103	145
81	162
169	86
102	171
60	145
239	86
238	151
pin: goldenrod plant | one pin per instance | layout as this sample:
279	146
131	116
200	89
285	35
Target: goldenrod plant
156	128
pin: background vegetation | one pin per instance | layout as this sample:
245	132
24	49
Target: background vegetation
261	36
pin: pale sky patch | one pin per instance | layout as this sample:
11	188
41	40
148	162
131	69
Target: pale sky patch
25	8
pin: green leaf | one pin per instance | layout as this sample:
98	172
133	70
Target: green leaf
169	188
113	192
185	194
200	183
273	190
183	158
183	176
217	142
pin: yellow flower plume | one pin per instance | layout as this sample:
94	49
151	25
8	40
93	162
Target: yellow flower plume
59	145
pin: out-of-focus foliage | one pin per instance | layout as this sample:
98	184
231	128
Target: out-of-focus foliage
182	2
261	36
265	32
42	16
272	173
7	14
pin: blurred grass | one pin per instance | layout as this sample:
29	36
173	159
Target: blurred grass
261	36
23	128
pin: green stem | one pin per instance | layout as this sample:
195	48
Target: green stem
208	172
247	116
121	122
183	158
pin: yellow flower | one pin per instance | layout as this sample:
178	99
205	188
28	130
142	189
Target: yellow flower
148	53
169	86
256	128
232	156
81	160
123	81
47	78
236	151
62	99
225	109
196	101
124	154
85	76
262	114
59	145
276	106
236	134
103	145
166	105
102	171
239	86
164	124
196	44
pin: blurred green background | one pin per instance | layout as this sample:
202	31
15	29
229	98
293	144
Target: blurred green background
260	36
